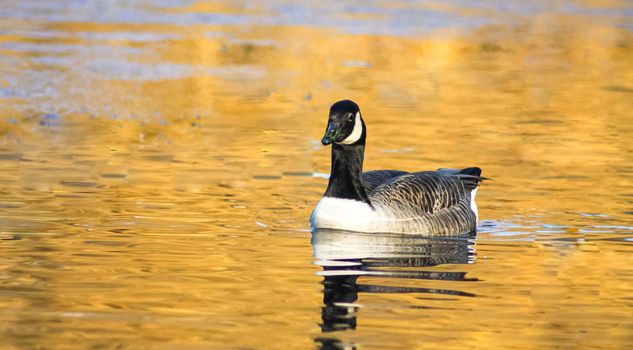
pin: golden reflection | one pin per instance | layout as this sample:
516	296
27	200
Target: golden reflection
157	178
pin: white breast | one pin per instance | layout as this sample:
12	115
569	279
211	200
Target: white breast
347	214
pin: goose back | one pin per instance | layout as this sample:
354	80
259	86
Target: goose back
375	178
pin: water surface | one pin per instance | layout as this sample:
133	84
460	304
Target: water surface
160	159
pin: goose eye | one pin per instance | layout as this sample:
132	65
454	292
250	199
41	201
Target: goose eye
350	117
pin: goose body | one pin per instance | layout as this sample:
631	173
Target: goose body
439	203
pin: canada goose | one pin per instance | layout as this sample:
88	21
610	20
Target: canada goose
434	203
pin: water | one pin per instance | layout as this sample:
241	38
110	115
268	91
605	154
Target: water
160	161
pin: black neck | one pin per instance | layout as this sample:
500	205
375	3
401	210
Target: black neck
347	167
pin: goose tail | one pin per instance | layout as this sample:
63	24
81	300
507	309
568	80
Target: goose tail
470	177
473	171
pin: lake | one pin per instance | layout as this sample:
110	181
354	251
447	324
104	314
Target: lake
160	160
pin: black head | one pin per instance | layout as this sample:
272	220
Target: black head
345	125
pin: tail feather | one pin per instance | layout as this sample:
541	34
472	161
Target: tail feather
474	171
471	177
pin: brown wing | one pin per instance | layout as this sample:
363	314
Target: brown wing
440	202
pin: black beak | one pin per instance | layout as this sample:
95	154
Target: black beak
329	136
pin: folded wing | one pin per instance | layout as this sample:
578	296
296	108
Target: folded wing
438	202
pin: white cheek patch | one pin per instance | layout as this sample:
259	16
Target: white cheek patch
356	133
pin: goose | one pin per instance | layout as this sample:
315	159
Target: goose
434	203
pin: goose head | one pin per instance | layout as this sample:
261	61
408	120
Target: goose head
345	125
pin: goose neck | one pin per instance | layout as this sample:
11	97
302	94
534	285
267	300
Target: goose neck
345	177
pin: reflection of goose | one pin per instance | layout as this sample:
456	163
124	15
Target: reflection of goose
343	245
345	256
430	202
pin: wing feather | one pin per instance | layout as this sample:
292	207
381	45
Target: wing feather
437	201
